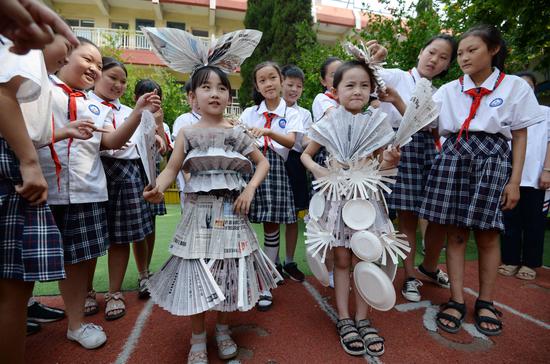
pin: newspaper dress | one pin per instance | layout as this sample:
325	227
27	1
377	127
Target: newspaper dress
216	262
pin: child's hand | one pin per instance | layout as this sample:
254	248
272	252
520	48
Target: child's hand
79	129
161	144
510	196
391	156
544	180
152	194
259	132
34	188
159	119
149	101
319	172
377	51
242	203
391	95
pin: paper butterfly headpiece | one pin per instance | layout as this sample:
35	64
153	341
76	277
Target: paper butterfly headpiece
361	53
183	52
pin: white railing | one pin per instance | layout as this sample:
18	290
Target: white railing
118	38
233	109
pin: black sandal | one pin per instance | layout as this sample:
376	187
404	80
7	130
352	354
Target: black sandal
350	336
365	330
480	304
460	307
267	307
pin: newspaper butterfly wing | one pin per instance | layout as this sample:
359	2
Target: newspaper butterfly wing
180	50
229	51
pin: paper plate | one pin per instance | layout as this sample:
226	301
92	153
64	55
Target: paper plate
374	286
317	206
358	214
318	268
390	268
366	246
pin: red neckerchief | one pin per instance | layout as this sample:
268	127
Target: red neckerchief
477	94
167	137
330	95
55	157
112	106
411	73
268	119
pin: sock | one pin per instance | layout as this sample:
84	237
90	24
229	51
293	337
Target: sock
289	259
144	274
223	334
271	245
198	346
30	302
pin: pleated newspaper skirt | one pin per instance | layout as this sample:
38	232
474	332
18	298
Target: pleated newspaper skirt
216	263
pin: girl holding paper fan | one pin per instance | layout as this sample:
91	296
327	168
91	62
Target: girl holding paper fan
275	125
216	261
355	176
476	176
417	159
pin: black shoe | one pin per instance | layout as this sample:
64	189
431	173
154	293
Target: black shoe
38	312
293	272
32	327
281	272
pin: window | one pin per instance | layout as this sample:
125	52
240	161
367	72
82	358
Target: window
117	25
200	33
176	25
81	23
144	23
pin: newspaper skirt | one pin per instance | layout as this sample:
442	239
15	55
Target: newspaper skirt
216	263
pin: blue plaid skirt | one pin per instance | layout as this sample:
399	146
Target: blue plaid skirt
157	209
466	182
417	159
128	214
30	243
274	200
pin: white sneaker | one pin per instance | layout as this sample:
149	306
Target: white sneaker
410	289
90	336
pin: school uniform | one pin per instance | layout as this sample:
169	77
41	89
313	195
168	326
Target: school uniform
294	167
321	103
30	242
184	120
273	200
417	156
77	193
523	238
465	185
159	209
128	214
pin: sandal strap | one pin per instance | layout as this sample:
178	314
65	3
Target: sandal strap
363	323
114	296
460	307
91	294
348	329
447	316
197	357
481	304
364	331
201	340
373	340
345	322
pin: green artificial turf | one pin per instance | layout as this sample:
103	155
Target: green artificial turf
165	228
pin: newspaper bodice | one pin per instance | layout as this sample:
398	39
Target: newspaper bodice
216	158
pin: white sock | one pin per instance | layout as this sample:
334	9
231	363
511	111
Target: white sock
271	245
289	259
199	346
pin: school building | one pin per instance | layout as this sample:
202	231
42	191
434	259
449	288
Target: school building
118	22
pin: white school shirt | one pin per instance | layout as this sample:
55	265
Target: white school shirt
184	120
511	106
404	82
82	178
168	135
306	121
320	105
538	137
34	93
286	121
120	114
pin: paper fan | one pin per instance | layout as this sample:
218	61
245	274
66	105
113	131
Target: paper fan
421	111
364	176
317	239
395	244
362	53
183	52
347	136
333	184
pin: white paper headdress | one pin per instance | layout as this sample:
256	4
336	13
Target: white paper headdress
361	53
183	52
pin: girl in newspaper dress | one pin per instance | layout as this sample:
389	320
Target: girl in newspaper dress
216	262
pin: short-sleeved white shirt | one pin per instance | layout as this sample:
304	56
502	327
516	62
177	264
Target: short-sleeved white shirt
511	106
286	121
538	137
320	105
120	114
82	177
184	120
306	120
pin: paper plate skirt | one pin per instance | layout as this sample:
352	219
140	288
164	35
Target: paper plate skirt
216	262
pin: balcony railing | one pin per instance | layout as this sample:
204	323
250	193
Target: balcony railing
118	38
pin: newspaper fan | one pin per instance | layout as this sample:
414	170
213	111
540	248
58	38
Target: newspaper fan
317	239
421	111
364	176
183	52
395	244
333	184
350	137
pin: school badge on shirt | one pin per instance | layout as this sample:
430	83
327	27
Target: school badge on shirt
496	102
282	123
93	109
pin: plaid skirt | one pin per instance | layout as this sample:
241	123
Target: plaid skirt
417	159
466	182
157	209
30	243
274	200
298	180
84	230
128	215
